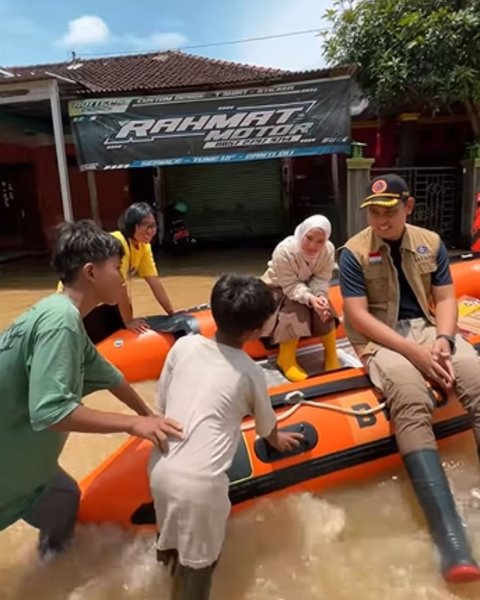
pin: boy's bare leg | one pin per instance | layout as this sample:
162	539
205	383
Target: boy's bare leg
191	584
187	583
169	558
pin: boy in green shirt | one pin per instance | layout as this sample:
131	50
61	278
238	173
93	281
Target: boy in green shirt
47	364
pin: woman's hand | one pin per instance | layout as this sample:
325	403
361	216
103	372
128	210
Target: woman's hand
321	306
138	325
160	294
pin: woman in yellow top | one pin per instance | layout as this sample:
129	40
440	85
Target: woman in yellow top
136	229
137	226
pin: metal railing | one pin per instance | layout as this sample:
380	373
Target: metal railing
437	192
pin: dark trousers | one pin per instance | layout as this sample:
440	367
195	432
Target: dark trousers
103	321
55	513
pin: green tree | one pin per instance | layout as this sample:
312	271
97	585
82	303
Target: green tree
412	54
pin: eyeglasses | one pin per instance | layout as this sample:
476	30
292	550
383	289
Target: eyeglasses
148	226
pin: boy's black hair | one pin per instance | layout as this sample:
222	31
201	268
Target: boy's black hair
241	303
80	243
133	216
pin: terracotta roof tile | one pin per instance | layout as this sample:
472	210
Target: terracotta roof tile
165	70
170	70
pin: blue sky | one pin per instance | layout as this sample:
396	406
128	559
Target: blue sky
33	32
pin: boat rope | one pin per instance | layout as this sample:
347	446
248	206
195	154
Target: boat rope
296	398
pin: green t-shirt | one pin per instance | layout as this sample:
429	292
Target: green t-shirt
47	364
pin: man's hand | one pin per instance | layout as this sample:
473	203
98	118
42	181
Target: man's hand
138	325
321	306
156	429
424	359
442	354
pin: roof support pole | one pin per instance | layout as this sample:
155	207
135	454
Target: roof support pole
92	192
60	151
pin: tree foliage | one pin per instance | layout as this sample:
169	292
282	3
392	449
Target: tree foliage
412	54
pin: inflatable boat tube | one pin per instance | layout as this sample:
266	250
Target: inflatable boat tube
348	437
346	426
140	357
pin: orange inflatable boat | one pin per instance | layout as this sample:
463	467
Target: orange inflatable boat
347	437
140	357
345	423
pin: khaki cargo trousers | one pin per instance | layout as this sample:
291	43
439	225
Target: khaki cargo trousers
406	392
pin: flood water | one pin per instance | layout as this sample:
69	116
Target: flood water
365	542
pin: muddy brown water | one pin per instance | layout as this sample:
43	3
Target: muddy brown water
358	542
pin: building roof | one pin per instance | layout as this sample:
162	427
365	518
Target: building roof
169	70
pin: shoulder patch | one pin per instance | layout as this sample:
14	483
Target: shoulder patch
423	250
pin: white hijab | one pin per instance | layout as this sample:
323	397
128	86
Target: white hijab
313	222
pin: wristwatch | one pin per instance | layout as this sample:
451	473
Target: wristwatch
450	339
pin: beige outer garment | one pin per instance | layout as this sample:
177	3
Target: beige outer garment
299	278
295	280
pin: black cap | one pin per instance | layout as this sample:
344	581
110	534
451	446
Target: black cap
386	190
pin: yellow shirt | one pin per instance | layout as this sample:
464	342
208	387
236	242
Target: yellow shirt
136	261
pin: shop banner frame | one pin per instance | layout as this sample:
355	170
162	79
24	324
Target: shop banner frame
254	123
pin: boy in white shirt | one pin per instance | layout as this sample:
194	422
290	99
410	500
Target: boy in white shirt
209	385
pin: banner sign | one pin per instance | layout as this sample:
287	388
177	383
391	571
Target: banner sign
281	121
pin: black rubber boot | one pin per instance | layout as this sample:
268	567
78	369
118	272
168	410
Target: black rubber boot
433	493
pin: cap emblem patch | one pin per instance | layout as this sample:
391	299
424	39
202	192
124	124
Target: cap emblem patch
379	186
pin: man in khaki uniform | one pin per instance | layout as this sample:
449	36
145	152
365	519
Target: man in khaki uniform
401	317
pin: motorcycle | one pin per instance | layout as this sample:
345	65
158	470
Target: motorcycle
177	236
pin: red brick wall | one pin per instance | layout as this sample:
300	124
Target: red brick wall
439	144
384	149
112	186
113	196
48	187
79	194
11	154
442	145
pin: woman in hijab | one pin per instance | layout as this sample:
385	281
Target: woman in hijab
300	272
